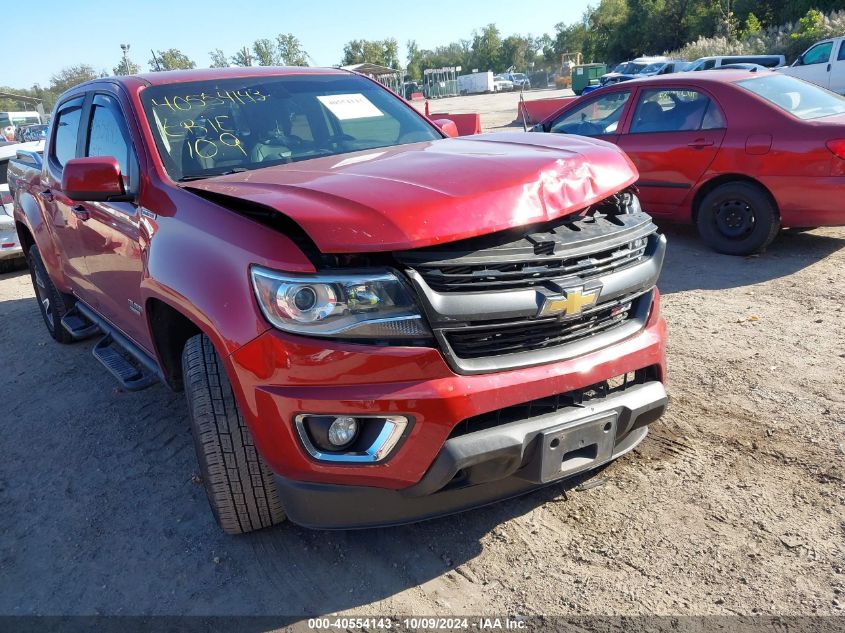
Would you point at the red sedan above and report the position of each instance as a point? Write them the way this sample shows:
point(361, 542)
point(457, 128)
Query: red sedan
point(738, 153)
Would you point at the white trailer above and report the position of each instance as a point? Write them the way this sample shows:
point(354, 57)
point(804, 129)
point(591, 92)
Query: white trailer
point(475, 83)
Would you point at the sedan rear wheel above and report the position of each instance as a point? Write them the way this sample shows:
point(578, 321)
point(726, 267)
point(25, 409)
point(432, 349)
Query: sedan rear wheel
point(737, 218)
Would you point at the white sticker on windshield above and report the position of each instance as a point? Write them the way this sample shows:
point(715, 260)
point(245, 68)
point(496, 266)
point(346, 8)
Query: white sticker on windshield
point(350, 106)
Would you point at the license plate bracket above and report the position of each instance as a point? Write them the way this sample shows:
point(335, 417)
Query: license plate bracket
point(576, 447)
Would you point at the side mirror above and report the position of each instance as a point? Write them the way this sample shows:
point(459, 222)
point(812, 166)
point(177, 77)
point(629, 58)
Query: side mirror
point(799, 61)
point(538, 128)
point(96, 178)
point(447, 126)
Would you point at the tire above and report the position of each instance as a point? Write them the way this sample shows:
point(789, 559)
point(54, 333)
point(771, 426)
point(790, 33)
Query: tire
point(240, 486)
point(737, 218)
point(52, 303)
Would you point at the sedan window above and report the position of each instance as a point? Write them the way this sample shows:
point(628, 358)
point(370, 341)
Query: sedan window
point(800, 98)
point(675, 111)
point(596, 117)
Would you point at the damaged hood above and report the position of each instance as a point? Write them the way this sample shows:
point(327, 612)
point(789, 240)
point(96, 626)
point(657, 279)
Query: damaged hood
point(416, 195)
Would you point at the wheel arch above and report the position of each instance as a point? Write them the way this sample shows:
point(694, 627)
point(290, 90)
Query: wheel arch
point(170, 329)
point(724, 179)
point(25, 236)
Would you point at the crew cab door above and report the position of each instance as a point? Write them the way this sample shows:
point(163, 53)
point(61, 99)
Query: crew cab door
point(57, 208)
point(673, 136)
point(110, 232)
point(815, 64)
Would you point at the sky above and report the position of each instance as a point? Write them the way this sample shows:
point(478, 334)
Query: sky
point(91, 31)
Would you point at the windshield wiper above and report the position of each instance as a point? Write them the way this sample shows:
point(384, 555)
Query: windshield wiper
point(234, 170)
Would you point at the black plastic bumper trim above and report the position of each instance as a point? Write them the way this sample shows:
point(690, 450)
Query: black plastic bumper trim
point(505, 452)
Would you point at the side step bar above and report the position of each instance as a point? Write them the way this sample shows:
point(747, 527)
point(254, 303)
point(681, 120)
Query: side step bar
point(132, 366)
point(77, 325)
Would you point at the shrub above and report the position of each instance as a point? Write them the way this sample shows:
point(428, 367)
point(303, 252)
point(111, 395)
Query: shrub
point(789, 40)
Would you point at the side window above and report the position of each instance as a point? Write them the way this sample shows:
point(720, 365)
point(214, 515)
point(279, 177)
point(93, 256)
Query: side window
point(713, 117)
point(674, 111)
point(710, 63)
point(107, 135)
point(594, 118)
point(300, 126)
point(841, 55)
point(818, 54)
point(66, 132)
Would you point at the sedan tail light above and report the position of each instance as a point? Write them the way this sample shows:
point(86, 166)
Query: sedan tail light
point(837, 146)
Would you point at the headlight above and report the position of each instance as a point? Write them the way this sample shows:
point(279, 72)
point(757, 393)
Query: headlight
point(365, 305)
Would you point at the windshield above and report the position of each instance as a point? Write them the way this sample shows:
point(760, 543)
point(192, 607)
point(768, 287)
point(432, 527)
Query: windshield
point(653, 68)
point(801, 99)
point(632, 68)
point(207, 128)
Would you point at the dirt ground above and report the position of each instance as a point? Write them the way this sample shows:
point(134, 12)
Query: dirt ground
point(734, 504)
point(497, 110)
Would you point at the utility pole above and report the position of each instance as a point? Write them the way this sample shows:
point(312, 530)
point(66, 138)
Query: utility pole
point(125, 49)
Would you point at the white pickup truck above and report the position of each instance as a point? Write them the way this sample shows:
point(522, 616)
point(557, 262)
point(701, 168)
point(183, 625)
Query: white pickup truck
point(822, 64)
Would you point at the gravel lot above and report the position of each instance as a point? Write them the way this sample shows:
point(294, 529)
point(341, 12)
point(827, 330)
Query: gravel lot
point(497, 110)
point(734, 504)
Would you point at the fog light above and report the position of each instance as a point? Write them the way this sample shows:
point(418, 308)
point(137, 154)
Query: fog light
point(342, 431)
point(362, 439)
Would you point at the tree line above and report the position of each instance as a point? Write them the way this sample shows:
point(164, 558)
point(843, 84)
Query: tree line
point(284, 50)
point(610, 31)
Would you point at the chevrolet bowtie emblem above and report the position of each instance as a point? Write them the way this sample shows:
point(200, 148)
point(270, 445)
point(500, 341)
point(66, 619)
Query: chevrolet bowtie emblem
point(571, 303)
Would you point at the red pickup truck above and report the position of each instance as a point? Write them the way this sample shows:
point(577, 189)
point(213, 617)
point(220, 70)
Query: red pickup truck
point(374, 322)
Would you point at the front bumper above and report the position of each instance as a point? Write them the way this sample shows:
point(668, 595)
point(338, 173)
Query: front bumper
point(474, 469)
point(278, 376)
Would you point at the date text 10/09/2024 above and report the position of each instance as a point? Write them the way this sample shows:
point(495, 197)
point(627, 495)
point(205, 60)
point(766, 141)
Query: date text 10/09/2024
point(419, 623)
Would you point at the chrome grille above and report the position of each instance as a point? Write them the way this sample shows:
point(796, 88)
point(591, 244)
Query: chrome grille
point(482, 295)
point(528, 273)
point(521, 336)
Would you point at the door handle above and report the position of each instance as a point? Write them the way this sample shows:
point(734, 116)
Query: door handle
point(700, 143)
point(828, 68)
point(81, 212)
point(46, 195)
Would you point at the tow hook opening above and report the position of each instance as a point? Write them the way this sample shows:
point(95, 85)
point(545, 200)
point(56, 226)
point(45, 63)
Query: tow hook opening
point(580, 457)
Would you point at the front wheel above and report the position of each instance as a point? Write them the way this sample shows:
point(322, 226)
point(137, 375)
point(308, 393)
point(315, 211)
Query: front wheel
point(240, 486)
point(737, 218)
